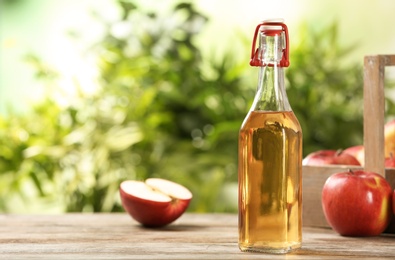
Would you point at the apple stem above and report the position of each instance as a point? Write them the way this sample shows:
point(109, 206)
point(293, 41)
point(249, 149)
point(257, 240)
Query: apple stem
point(338, 152)
point(350, 172)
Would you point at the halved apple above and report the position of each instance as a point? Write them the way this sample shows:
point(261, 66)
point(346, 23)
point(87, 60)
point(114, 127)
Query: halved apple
point(155, 202)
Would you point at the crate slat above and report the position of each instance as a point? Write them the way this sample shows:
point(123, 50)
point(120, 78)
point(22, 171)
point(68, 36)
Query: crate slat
point(374, 110)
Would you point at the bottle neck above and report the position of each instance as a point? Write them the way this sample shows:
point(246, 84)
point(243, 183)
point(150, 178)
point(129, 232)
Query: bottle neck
point(271, 94)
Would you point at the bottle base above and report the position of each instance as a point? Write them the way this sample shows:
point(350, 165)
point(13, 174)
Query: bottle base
point(270, 250)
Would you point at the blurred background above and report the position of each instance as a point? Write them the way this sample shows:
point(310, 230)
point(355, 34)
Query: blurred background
point(96, 92)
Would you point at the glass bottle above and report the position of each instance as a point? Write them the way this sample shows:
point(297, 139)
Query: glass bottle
point(270, 154)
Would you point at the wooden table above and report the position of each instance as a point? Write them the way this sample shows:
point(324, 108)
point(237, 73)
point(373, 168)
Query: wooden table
point(193, 236)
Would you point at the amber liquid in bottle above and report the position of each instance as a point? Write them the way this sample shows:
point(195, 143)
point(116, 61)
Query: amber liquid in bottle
point(270, 186)
point(270, 159)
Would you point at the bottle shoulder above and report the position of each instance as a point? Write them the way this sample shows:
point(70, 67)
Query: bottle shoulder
point(260, 119)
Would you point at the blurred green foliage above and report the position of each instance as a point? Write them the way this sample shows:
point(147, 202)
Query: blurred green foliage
point(162, 110)
point(326, 91)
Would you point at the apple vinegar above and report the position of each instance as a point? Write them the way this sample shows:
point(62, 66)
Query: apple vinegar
point(270, 154)
point(270, 182)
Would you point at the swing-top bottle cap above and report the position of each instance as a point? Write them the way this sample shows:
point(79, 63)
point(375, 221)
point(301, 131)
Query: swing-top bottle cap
point(271, 27)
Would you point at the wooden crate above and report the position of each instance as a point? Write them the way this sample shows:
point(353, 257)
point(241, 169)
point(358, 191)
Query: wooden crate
point(314, 177)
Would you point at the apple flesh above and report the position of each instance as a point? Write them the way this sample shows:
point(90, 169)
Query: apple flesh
point(326, 157)
point(155, 202)
point(357, 203)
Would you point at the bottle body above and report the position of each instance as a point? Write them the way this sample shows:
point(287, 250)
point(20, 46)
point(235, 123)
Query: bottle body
point(270, 157)
point(270, 197)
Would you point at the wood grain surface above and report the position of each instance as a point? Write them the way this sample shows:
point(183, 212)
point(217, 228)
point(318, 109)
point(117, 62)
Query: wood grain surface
point(193, 236)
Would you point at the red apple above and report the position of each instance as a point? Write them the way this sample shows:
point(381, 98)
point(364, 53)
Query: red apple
point(155, 202)
point(389, 161)
point(325, 157)
point(389, 138)
point(357, 203)
point(358, 151)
